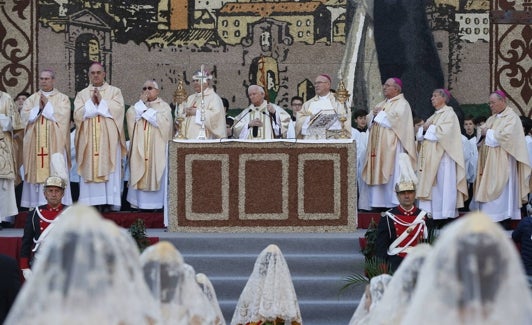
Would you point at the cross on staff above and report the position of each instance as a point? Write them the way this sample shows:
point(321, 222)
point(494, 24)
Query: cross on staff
point(202, 77)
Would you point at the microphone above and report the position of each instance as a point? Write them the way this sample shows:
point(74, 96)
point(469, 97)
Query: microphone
point(255, 131)
point(240, 119)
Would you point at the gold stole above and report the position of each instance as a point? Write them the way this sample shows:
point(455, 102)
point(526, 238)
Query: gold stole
point(42, 152)
point(96, 127)
point(374, 141)
point(144, 181)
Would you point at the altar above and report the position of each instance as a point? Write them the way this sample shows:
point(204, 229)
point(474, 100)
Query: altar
point(262, 186)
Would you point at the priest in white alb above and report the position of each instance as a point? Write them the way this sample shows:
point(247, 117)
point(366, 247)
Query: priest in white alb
point(324, 102)
point(46, 115)
point(203, 111)
point(261, 119)
point(442, 186)
point(150, 127)
point(391, 132)
point(100, 140)
point(503, 171)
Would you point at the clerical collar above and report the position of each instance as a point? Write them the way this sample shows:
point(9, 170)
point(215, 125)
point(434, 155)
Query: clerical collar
point(324, 97)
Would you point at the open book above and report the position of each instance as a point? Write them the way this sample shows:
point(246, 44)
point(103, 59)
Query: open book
point(320, 123)
point(324, 119)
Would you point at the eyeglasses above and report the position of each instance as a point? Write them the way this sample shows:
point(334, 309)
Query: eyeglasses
point(148, 88)
point(297, 104)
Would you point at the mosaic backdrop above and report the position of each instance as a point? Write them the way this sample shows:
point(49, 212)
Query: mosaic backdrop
point(469, 46)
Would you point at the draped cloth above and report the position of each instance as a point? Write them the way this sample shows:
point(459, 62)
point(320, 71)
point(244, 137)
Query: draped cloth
point(473, 276)
point(434, 175)
point(100, 144)
point(173, 285)
point(208, 289)
point(400, 289)
point(370, 299)
point(269, 294)
point(9, 120)
point(44, 137)
point(149, 134)
point(87, 272)
point(214, 116)
point(384, 145)
point(494, 180)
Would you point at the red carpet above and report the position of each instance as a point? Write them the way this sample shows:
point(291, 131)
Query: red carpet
point(123, 219)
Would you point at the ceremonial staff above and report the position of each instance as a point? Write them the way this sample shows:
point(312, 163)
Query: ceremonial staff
point(202, 77)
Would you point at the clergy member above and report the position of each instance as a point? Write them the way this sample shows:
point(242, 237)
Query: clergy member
point(261, 120)
point(9, 120)
point(391, 133)
point(47, 117)
point(442, 186)
point(324, 102)
point(150, 127)
point(503, 170)
point(100, 141)
point(203, 110)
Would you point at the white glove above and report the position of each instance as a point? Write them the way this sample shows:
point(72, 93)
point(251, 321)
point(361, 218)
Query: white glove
point(27, 273)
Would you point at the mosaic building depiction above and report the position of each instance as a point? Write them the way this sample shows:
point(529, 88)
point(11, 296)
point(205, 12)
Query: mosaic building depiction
point(470, 47)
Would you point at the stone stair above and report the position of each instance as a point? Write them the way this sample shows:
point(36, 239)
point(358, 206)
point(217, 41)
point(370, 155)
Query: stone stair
point(318, 264)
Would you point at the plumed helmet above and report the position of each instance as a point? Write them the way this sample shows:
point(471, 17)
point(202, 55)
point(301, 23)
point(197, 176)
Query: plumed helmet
point(407, 176)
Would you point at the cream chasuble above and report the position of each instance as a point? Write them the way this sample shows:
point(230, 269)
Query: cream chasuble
point(381, 154)
point(147, 152)
point(214, 116)
point(49, 133)
point(99, 137)
point(449, 141)
point(317, 104)
point(493, 165)
point(9, 120)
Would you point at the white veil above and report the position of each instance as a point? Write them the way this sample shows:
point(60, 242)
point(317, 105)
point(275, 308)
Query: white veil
point(173, 285)
point(399, 292)
point(269, 293)
point(370, 299)
point(473, 276)
point(88, 272)
point(207, 288)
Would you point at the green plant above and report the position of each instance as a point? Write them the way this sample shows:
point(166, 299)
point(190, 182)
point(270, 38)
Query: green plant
point(373, 266)
point(370, 237)
point(138, 232)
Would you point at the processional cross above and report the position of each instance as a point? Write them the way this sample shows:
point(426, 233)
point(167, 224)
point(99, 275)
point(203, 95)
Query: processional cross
point(202, 77)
